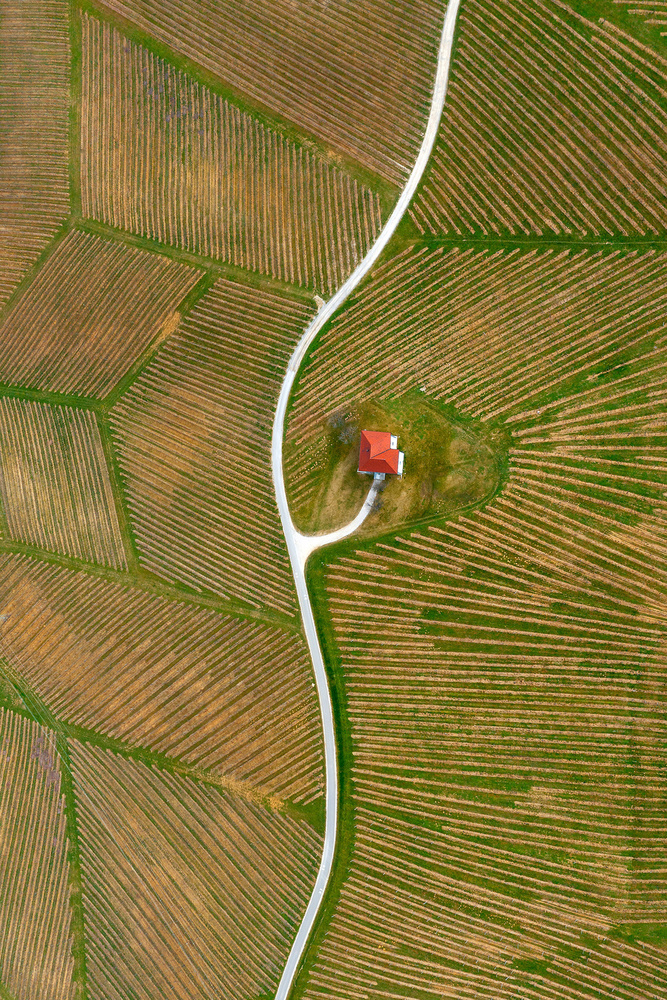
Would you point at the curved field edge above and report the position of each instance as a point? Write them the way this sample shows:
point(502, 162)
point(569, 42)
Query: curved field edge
point(316, 571)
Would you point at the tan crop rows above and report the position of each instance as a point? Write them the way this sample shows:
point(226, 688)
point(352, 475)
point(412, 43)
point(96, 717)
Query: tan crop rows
point(494, 334)
point(194, 443)
point(167, 158)
point(553, 124)
point(505, 671)
point(188, 892)
point(358, 76)
point(89, 313)
point(35, 944)
point(508, 722)
point(55, 483)
point(34, 127)
point(218, 692)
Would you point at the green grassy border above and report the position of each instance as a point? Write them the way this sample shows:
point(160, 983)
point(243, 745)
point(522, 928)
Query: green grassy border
point(5, 994)
point(37, 711)
point(344, 847)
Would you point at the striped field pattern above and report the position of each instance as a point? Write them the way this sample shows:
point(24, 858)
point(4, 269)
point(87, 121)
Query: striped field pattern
point(505, 672)
point(54, 482)
point(553, 124)
point(35, 945)
point(164, 157)
point(189, 893)
point(34, 129)
point(358, 76)
point(89, 313)
point(507, 696)
point(227, 694)
point(193, 438)
point(486, 332)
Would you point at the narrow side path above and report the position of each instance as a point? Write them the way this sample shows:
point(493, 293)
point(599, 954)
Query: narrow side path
point(308, 543)
point(300, 546)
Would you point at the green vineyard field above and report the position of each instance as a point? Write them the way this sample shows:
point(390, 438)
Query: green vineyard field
point(555, 125)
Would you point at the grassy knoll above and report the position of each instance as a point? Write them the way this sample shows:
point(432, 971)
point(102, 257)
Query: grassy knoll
point(450, 463)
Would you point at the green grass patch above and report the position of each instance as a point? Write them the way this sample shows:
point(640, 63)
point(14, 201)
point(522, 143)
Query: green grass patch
point(648, 933)
point(451, 463)
point(535, 966)
point(5, 994)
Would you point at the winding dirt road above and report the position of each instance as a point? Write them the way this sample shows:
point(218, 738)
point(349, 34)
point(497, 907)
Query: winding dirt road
point(300, 546)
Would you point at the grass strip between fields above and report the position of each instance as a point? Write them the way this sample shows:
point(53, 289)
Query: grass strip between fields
point(39, 712)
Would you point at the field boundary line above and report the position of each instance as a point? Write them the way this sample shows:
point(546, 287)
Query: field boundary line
point(208, 265)
point(299, 553)
point(149, 583)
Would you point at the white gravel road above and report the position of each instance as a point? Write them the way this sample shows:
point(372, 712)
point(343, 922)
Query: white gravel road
point(300, 546)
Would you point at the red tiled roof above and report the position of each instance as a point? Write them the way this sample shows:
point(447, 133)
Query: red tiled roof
point(376, 453)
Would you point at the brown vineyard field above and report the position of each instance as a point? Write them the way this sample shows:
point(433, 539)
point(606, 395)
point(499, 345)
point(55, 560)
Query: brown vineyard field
point(34, 124)
point(504, 670)
point(554, 124)
point(357, 76)
point(35, 943)
point(166, 158)
point(89, 313)
point(194, 446)
point(181, 185)
point(55, 485)
point(188, 892)
point(220, 693)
